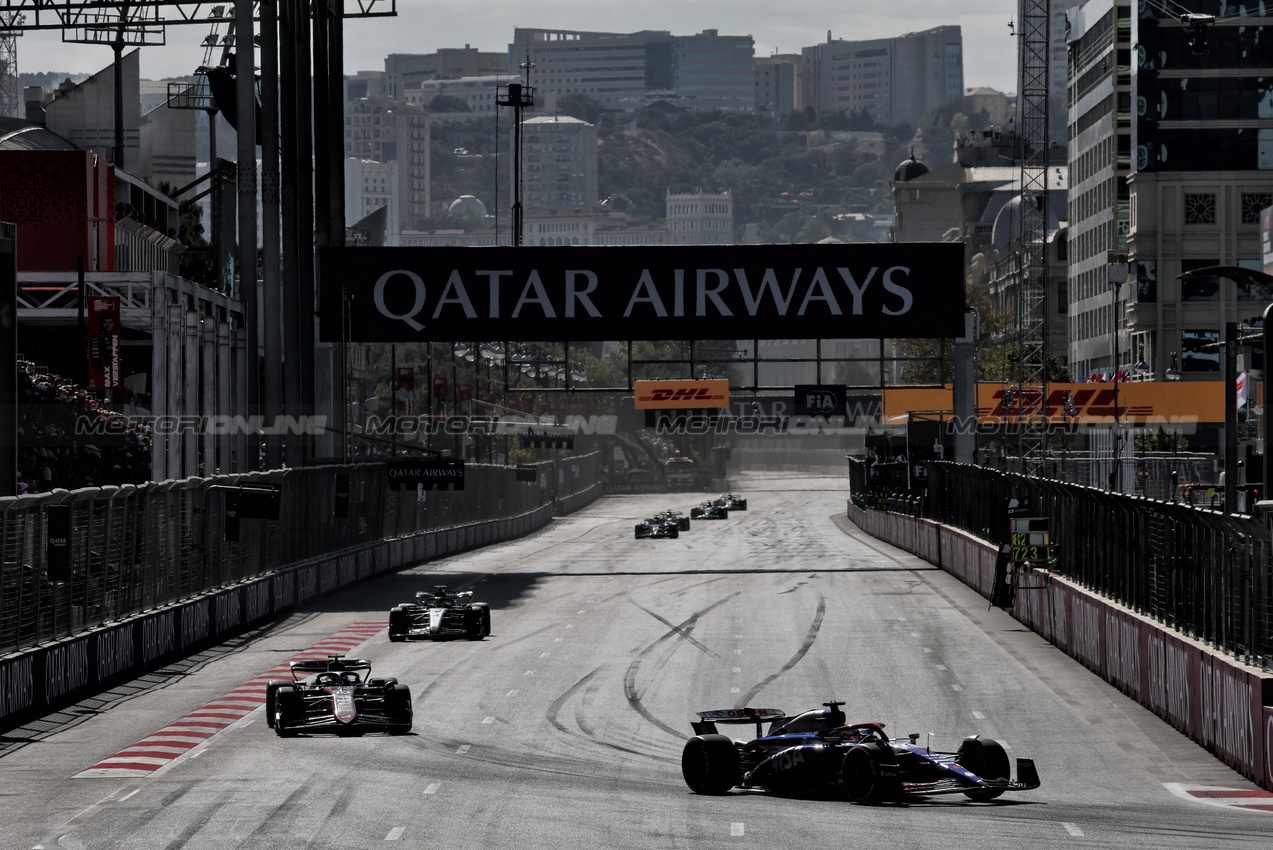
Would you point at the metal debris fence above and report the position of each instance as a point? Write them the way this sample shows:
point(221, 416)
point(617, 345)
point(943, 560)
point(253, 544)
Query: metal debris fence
point(136, 548)
point(1206, 574)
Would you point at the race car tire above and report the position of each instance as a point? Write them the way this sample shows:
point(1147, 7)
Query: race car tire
point(271, 689)
point(724, 513)
point(486, 617)
point(399, 624)
point(710, 764)
point(861, 776)
point(398, 708)
point(696, 513)
point(642, 531)
point(986, 758)
point(674, 532)
point(473, 625)
point(289, 708)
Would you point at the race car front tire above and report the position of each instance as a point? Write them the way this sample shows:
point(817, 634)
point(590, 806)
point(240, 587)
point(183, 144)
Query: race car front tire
point(290, 709)
point(710, 764)
point(486, 617)
point(474, 623)
point(398, 708)
point(674, 532)
point(986, 758)
point(399, 624)
point(861, 776)
point(271, 689)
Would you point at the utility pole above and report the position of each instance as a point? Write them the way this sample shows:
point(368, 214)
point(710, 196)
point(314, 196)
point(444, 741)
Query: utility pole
point(518, 96)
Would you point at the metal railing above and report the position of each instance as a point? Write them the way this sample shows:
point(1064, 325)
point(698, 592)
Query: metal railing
point(1205, 574)
point(135, 548)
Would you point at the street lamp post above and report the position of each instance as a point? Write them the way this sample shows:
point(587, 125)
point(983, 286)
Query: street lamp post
point(1117, 270)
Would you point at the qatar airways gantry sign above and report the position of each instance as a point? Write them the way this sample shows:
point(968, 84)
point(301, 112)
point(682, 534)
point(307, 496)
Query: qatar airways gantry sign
point(845, 291)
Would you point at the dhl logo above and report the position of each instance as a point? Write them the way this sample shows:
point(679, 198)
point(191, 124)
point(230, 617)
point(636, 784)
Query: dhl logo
point(679, 394)
point(1085, 403)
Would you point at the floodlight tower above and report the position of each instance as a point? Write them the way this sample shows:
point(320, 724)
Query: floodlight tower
point(10, 86)
point(518, 96)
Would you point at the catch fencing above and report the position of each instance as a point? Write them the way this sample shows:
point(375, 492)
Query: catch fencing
point(138, 548)
point(1197, 571)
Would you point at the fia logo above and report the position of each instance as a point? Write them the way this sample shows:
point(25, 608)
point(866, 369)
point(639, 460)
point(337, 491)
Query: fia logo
point(820, 400)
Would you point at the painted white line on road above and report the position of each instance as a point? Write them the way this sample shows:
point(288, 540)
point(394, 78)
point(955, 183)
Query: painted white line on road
point(941, 666)
point(583, 610)
point(556, 640)
point(958, 687)
point(395, 833)
point(914, 634)
point(488, 719)
point(126, 796)
point(432, 787)
point(733, 690)
point(529, 673)
point(513, 692)
point(463, 748)
point(979, 715)
point(738, 652)
point(738, 637)
point(1073, 830)
point(570, 625)
point(738, 669)
point(543, 655)
point(735, 830)
point(928, 649)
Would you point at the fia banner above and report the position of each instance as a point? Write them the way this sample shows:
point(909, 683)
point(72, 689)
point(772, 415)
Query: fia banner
point(847, 291)
point(103, 343)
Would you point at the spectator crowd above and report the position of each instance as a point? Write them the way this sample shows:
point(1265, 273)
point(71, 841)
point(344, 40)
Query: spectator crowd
point(54, 453)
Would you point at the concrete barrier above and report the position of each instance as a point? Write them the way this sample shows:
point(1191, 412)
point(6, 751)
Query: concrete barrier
point(1218, 702)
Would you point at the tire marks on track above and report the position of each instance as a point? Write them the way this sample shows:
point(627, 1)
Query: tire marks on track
point(810, 636)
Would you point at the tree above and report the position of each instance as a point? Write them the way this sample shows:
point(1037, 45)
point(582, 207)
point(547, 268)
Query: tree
point(581, 106)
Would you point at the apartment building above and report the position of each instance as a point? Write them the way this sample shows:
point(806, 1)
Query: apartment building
point(894, 79)
point(700, 218)
point(626, 71)
point(480, 93)
point(559, 163)
point(778, 83)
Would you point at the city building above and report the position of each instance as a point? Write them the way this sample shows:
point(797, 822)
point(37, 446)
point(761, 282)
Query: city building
point(369, 186)
point(893, 79)
point(559, 163)
point(995, 104)
point(1170, 166)
point(700, 218)
point(480, 93)
point(778, 83)
point(626, 71)
point(168, 145)
point(405, 71)
point(84, 113)
point(387, 130)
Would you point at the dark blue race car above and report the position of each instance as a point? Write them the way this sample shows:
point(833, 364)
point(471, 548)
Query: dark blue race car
point(818, 752)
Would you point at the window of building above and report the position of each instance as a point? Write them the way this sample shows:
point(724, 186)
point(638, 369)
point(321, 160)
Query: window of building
point(1200, 208)
point(1253, 203)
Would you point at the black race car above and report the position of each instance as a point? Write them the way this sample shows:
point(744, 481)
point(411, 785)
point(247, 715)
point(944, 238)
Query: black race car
point(732, 502)
point(440, 614)
point(657, 526)
point(337, 695)
point(818, 752)
point(709, 510)
point(681, 520)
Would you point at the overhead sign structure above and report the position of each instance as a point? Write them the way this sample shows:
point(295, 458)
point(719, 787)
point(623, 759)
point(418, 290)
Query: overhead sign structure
point(679, 395)
point(857, 291)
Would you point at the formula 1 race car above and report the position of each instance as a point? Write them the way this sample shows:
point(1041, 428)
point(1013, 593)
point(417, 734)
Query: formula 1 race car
point(440, 614)
point(710, 510)
point(337, 695)
point(732, 502)
point(657, 526)
point(681, 520)
point(817, 752)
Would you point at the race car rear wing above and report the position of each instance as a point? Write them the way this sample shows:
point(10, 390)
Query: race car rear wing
point(707, 724)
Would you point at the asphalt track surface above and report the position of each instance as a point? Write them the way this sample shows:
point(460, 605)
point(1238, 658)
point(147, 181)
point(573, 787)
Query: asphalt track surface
point(564, 728)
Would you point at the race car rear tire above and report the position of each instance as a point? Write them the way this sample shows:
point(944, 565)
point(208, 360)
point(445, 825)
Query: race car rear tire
point(696, 513)
point(399, 623)
point(674, 532)
point(271, 689)
point(986, 758)
point(861, 776)
point(398, 708)
point(290, 708)
point(710, 764)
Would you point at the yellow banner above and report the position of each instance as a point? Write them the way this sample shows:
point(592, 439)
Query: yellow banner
point(669, 395)
point(1139, 403)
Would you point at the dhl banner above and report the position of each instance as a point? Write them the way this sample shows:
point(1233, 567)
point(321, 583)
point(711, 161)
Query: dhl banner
point(1139, 403)
point(670, 395)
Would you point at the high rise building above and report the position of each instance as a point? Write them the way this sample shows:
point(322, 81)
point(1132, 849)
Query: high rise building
point(625, 71)
point(407, 70)
point(778, 83)
point(1169, 162)
point(893, 79)
point(700, 218)
point(559, 163)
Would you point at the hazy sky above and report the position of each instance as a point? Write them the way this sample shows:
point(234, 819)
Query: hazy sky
point(423, 26)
